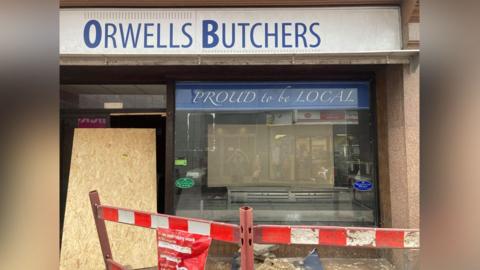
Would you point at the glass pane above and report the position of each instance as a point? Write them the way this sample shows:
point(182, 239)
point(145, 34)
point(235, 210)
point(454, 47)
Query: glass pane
point(297, 152)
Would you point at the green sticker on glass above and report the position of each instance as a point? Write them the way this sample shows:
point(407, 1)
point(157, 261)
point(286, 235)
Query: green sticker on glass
point(180, 162)
point(184, 182)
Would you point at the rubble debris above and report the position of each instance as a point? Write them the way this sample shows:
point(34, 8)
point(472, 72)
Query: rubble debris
point(263, 257)
point(276, 264)
point(260, 249)
point(219, 266)
point(296, 263)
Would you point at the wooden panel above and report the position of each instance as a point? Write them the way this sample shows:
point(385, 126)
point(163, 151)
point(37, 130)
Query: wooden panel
point(221, 3)
point(120, 164)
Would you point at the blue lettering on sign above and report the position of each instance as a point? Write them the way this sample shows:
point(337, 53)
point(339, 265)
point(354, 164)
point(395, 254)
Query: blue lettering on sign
point(316, 35)
point(131, 35)
point(110, 34)
point(225, 96)
point(271, 34)
point(363, 185)
point(147, 35)
point(214, 35)
point(252, 35)
point(300, 34)
point(209, 29)
point(285, 33)
point(98, 33)
point(189, 37)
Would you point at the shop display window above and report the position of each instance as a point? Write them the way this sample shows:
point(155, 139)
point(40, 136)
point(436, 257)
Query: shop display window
point(297, 152)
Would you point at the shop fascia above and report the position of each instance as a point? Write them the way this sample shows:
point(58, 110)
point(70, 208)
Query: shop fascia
point(229, 31)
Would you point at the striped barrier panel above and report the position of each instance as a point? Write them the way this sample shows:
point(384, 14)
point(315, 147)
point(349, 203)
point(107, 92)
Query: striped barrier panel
point(216, 230)
point(337, 236)
point(269, 234)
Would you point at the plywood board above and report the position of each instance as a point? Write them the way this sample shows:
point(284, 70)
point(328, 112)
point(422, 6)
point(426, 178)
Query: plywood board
point(121, 165)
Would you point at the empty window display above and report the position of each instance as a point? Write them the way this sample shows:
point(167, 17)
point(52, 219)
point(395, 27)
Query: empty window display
point(297, 152)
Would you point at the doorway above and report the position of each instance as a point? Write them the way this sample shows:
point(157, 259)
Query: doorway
point(111, 106)
point(157, 122)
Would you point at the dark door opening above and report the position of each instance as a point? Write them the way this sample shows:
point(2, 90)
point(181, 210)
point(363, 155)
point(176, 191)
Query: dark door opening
point(156, 121)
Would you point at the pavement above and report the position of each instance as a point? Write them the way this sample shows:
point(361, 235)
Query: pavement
point(328, 264)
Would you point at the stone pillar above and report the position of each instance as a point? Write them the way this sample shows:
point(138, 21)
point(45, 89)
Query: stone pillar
point(411, 100)
point(411, 85)
point(402, 113)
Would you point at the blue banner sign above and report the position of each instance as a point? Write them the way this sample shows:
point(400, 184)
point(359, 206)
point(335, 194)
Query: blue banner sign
point(253, 96)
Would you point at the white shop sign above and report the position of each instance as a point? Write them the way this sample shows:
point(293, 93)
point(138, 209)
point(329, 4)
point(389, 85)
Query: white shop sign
point(229, 31)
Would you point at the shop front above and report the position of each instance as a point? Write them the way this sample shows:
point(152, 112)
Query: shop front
point(298, 152)
point(287, 110)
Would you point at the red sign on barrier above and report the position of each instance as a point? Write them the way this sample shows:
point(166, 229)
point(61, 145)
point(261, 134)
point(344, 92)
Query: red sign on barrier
point(182, 250)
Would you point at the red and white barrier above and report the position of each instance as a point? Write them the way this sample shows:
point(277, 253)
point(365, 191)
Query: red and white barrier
point(270, 234)
point(337, 236)
point(216, 230)
point(246, 234)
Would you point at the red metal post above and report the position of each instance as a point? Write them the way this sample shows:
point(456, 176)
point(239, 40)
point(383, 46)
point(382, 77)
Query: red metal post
point(246, 238)
point(101, 229)
point(115, 266)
